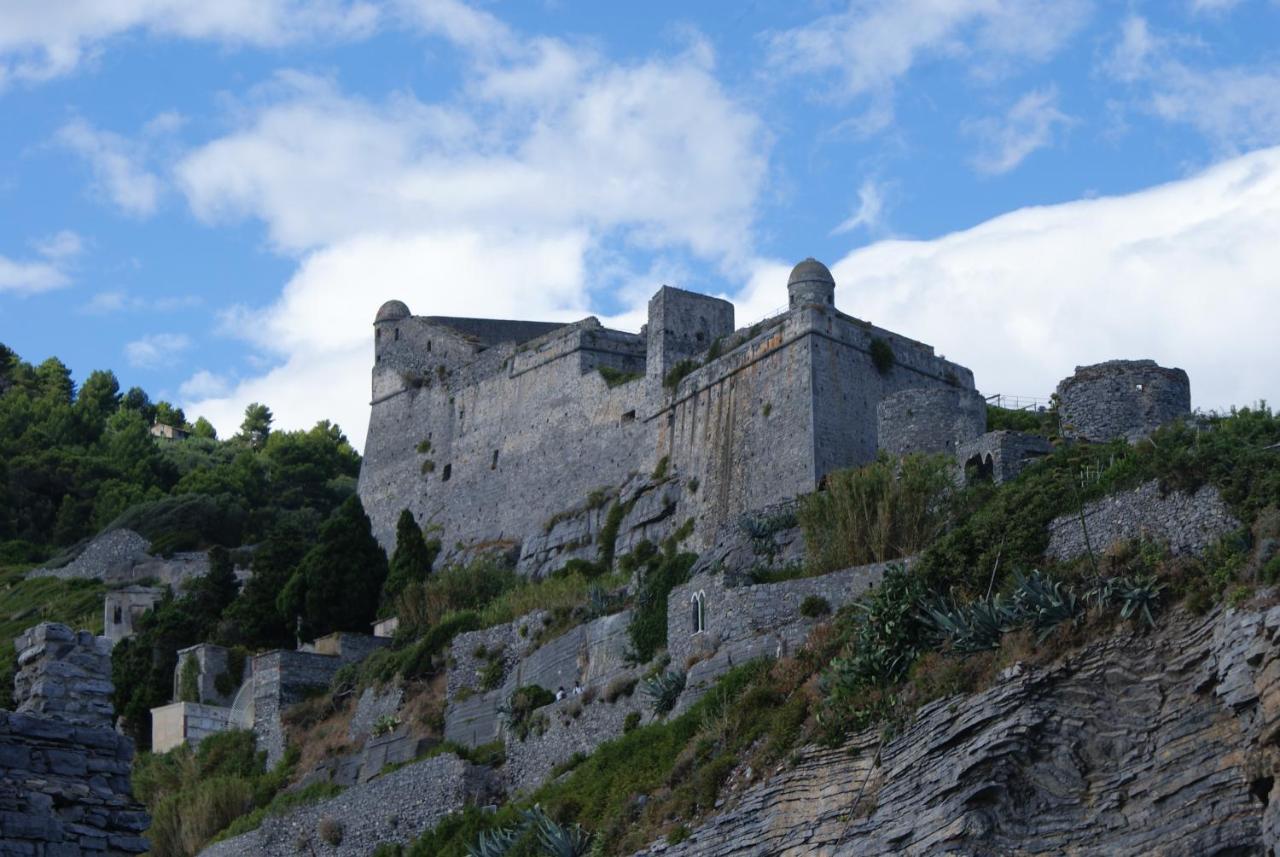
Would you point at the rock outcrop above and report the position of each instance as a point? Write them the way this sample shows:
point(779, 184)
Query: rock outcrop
point(1137, 744)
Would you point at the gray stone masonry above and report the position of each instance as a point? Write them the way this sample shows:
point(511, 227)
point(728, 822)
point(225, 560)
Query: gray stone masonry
point(1187, 523)
point(64, 790)
point(576, 724)
point(373, 705)
point(589, 655)
point(394, 808)
point(377, 752)
point(1000, 455)
point(765, 538)
point(930, 420)
point(472, 652)
point(282, 678)
point(740, 623)
point(1122, 399)
point(64, 674)
point(472, 433)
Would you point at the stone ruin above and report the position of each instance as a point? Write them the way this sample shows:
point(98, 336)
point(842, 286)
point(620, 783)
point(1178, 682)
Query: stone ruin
point(1122, 398)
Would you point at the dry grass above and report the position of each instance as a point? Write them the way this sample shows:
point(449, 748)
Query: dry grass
point(320, 729)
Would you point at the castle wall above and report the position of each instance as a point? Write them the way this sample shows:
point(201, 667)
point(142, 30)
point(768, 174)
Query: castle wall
point(935, 420)
point(512, 446)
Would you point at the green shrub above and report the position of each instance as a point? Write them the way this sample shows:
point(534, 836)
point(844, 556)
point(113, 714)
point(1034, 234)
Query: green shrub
point(659, 574)
point(617, 377)
point(630, 722)
point(678, 373)
point(881, 356)
point(814, 606)
point(524, 701)
point(875, 513)
point(660, 469)
point(189, 680)
point(330, 830)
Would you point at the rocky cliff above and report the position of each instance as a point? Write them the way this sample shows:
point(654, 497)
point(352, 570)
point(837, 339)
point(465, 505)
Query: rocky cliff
point(1159, 743)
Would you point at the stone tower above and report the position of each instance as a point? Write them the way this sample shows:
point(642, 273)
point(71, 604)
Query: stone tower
point(811, 283)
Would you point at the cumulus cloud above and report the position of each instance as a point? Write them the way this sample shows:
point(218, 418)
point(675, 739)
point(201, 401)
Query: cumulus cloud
point(867, 48)
point(39, 41)
point(1185, 273)
point(117, 165)
point(1234, 107)
point(1027, 126)
point(156, 350)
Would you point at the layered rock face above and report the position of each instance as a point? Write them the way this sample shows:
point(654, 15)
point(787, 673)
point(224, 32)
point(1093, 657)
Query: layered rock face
point(1139, 744)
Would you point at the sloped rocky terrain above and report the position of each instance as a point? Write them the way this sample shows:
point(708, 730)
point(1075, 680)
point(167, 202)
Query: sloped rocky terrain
point(1138, 744)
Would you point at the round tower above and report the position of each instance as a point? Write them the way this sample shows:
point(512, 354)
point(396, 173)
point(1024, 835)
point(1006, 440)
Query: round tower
point(1122, 398)
point(811, 283)
point(391, 311)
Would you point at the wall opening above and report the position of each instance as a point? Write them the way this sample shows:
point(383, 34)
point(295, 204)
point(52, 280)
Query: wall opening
point(698, 612)
point(629, 417)
point(117, 616)
point(446, 473)
point(493, 465)
point(976, 469)
point(397, 334)
point(428, 346)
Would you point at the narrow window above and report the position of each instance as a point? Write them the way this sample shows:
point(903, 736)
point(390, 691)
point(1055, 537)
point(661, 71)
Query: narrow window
point(397, 334)
point(629, 417)
point(117, 616)
point(377, 334)
point(448, 471)
point(493, 465)
point(428, 346)
point(698, 613)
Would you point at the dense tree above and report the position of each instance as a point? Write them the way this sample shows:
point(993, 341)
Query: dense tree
point(54, 380)
point(254, 619)
point(98, 399)
point(168, 415)
point(257, 425)
point(412, 560)
point(337, 585)
point(204, 428)
point(136, 399)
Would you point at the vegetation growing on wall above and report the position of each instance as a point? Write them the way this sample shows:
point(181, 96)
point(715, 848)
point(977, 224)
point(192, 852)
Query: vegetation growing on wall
point(616, 377)
point(882, 356)
point(678, 373)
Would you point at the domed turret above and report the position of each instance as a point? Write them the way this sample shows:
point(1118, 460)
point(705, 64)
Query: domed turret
point(811, 283)
point(392, 311)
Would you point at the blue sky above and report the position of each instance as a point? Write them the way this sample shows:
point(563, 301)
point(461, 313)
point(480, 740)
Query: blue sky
point(213, 199)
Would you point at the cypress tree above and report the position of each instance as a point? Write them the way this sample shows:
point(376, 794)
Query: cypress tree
point(412, 560)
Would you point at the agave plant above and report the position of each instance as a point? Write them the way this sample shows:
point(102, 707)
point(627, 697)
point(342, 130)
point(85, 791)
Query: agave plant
point(972, 627)
point(1043, 603)
point(664, 689)
point(495, 843)
point(557, 840)
point(1138, 595)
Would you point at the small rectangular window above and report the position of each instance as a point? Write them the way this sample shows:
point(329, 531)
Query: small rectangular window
point(428, 346)
point(629, 417)
point(448, 471)
point(397, 334)
point(493, 465)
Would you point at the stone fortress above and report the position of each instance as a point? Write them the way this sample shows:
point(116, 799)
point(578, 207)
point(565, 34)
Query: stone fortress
point(488, 429)
point(515, 435)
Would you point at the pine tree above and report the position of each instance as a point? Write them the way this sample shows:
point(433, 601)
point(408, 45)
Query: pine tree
point(337, 585)
point(411, 562)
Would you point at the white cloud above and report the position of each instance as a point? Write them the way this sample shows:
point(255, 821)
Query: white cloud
point(873, 43)
point(1185, 273)
point(59, 246)
point(870, 211)
point(42, 40)
point(117, 166)
point(487, 204)
point(156, 350)
point(26, 278)
point(104, 303)
point(204, 385)
point(1027, 126)
point(1235, 107)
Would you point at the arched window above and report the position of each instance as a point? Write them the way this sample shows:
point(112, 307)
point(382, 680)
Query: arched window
point(698, 612)
point(117, 616)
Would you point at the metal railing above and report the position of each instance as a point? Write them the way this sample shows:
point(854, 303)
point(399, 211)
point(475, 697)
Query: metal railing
point(1018, 403)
